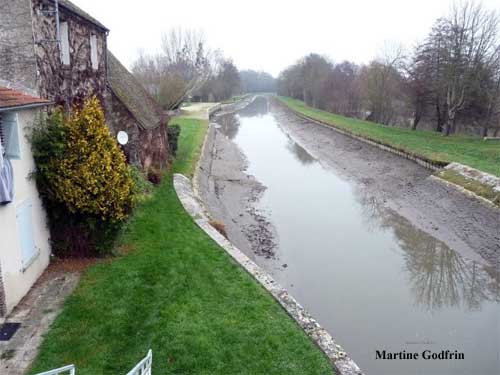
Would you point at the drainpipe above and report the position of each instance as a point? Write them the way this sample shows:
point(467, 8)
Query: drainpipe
point(58, 30)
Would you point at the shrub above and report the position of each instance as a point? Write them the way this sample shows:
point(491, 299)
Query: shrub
point(142, 186)
point(173, 132)
point(83, 180)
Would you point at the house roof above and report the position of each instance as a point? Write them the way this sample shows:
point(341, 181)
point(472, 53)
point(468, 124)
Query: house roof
point(79, 12)
point(13, 99)
point(133, 95)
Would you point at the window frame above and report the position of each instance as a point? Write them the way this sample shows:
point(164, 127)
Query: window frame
point(94, 56)
point(12, 152)
point(64, 43)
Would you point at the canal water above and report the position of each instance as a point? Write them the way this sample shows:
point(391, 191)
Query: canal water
point(373, 280)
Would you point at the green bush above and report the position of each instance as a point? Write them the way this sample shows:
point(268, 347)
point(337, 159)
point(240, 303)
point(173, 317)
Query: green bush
point(83, 180)
point(142, 187)
point(173, 132)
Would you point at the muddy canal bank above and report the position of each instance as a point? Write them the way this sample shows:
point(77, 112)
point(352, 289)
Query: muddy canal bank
point(383, 256)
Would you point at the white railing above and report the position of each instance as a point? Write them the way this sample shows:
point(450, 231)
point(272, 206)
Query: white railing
point(142, 368)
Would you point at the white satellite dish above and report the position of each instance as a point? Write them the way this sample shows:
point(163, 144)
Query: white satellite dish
point(122, 137)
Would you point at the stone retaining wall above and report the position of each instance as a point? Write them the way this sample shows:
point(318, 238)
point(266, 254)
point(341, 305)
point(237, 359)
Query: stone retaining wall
point(475, 174)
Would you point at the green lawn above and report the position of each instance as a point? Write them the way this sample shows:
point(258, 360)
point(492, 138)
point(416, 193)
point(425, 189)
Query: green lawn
point(180, 294)
point(472, 151)
point(190, 141)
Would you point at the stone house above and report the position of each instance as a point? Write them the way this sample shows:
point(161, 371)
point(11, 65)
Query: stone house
point(59, 58)
point(24, 237)
point(55, 50)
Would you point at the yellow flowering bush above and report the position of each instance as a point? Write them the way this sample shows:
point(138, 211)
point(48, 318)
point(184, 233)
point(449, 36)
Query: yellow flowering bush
point(83, 179)
point(92, 176)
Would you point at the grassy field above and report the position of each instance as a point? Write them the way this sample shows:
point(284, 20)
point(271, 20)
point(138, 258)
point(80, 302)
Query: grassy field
point(472, 151)
point(190, 141)
point(180, 294)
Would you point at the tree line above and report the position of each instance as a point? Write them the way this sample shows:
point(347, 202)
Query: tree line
point(253, 81)
point(185, 68)
point(449, 82)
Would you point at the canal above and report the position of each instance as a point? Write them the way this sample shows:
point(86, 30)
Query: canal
point(370, 277)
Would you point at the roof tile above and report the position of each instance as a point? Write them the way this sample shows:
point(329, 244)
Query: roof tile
point(133, 95)
point(11, 98)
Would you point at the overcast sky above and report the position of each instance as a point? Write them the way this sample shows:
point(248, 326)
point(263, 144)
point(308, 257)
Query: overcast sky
point(270, 34)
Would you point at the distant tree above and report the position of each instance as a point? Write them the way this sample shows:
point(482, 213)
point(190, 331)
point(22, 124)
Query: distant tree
point(420, 83)
point(181, 66)
point(343, 90)
point(184, 68)
point(253, 81)
point(384, 85)
point(228, 81)
point(463, 50)
point(452, 77)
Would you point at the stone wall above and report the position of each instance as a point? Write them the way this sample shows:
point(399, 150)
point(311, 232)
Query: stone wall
point(154, 147)
point(145, 147)
point(17, 55)
point(67, 84)
point(118, 117)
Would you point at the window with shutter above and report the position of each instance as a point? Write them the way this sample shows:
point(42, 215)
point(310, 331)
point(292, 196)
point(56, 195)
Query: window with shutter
point(25, 232)
point(93, 52)
point(9, 135)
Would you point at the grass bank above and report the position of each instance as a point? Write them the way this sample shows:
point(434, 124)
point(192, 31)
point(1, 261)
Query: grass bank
point(180, 294)
point(235, 99)
point(471, 151)
point(474, 186)
point(190, 142)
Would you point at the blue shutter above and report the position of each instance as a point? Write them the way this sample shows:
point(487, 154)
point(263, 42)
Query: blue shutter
point(25, 233)
point(11, 135)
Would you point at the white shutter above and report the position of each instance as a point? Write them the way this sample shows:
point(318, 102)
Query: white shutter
point(10, 132)
point(25, 233)
point(93, 52)
point(64, 43)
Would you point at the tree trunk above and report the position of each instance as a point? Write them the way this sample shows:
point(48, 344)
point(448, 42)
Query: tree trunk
point(484, 131)
point(439, 126)
point(450, 123)
point(416, 119)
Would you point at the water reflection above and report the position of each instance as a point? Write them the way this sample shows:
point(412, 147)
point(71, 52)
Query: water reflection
point(365, 271)
point(259, 107)
point(299, 152)
point(438, 276)
point(229, 125)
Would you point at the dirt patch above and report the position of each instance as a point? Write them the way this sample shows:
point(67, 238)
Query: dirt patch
point(230, 195)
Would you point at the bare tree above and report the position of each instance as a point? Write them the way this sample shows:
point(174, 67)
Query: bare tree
point(384, 84)
point(181, 67)
point(452, 77)
point(470, 46)
point(185, 67)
